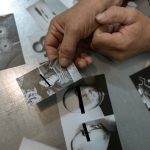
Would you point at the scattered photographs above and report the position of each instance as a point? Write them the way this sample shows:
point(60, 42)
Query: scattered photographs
point(10, 48)
point(85, 101)
point(44, 10)
point(37, 42)
point(46, 80)
point(141, 80)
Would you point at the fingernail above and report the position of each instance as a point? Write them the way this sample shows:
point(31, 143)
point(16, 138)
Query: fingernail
point(101, 16)
point(64, 62)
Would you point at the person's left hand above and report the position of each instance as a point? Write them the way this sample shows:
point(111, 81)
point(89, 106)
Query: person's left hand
point(131, 38)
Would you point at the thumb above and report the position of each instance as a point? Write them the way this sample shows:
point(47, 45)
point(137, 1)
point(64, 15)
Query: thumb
point(116, 14)
point(67, 49)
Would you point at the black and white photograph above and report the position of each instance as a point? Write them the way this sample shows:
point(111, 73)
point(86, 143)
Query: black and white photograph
point(46, 80)
point(44, 10)
point(141, 80)
point(37, 42)
point(97, 135)
point(10, 47)
point(83, 102)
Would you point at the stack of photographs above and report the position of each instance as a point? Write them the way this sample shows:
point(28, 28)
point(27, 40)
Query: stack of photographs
point(85, 110)
point(46, 80)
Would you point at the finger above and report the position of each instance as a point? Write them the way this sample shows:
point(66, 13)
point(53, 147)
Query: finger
point(87, 58)
point(51, 44)
point(105, 39)
point(68, 49)
point(52, 53)
point(83, 60)
point(115, 55)
point(81, 63)
point(116, 14)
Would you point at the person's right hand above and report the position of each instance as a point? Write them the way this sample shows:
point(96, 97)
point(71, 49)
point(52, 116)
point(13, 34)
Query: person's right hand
point(73, 25)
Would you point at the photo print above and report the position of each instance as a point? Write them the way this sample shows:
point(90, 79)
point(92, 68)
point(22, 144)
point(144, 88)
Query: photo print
point(46, 80)
point(10, 47)
point(37, 42)
point(141, 80)
point(44, 10)
point(85, 101)
point(99, 134)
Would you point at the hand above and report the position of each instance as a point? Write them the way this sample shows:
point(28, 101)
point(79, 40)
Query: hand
point(82, 57)
point(132, 37)
point(73, 25)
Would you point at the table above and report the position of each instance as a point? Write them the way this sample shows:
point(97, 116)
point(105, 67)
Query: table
point(17, 120)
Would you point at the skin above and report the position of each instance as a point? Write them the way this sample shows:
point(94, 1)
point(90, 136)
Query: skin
point(131, 38)
point(69, 31)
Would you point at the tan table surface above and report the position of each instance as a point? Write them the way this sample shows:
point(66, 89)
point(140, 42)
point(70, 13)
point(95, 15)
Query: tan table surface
point(17, 120)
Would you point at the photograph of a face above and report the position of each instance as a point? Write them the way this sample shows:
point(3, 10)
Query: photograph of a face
point(45, 81)
point(44, 10)
point(85, 101)
point(10, 47)
point(97, 135)
point(141, 80)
